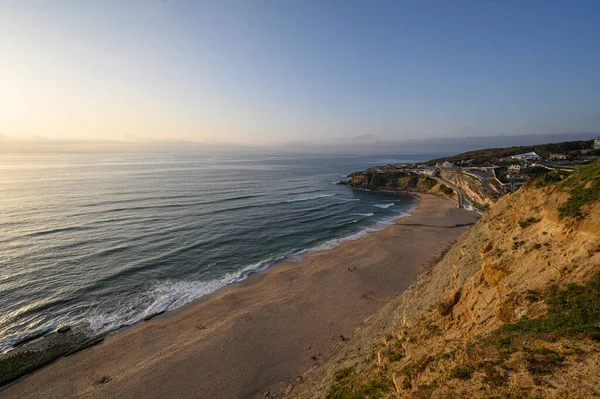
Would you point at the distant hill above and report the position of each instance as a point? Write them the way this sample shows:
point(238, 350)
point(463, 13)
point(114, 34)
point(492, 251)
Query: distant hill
point(491, 155)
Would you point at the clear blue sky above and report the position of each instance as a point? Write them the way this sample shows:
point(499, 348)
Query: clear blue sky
point(260, 72)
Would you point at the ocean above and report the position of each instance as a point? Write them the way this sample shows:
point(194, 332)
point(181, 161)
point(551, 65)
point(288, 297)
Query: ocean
point(100, 241)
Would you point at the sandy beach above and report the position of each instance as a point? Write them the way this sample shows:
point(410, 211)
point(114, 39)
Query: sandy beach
point(257, 335)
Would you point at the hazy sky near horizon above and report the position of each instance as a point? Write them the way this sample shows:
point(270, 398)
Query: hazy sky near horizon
point(262, 72)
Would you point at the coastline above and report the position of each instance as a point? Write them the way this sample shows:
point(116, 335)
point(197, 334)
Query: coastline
point(257, 334)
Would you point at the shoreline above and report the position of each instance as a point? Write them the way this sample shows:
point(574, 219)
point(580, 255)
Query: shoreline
point(251, 327)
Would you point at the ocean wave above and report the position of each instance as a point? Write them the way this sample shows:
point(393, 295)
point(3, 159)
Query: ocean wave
point(172, 205)
point(363, 214)
point(314, 197)
point(57, 230)
point(335, 242)
point(349, 199)
point(384, 206)
point(380, 225)
point(169, 295)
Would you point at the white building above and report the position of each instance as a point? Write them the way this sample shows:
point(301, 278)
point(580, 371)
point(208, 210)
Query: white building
point(597, 143)
point(517, 176)
point(558, 156)
point(431, 172)
point(444, 165)
point(515, 168)
point(526, 157)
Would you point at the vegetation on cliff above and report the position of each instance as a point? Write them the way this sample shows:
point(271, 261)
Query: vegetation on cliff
point(584, 189)
point(391, 180)
point(397, 180)
point(513, 309)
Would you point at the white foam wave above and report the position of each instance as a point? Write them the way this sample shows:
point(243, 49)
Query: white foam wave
point(384, 206)
point(335, 242)
point(363, 214)
point(168, 295)
point(380, 225)
point(309, 198)
point(349, 199)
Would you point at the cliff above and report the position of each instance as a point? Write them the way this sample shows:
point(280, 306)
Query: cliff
point(479, 194)
point(395, 180)
point(512, 310)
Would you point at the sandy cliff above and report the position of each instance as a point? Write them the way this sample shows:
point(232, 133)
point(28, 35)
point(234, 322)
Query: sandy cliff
point(480, 195)
point(513, 310)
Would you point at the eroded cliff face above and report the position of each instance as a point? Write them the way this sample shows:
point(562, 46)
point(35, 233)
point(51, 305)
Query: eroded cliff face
point(482, 196)
point(399, 181)
point(513, 310)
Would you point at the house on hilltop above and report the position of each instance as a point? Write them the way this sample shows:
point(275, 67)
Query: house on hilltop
point(558, 156)
point(517, 176)
point(526, 156)
point(515, 168)
point(596, 144)
point(431, 172)
point(444, 165)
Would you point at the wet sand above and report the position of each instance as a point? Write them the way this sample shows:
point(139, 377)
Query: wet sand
point(255, 336)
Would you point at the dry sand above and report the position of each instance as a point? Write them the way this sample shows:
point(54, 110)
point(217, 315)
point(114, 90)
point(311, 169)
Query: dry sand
point(257, 335)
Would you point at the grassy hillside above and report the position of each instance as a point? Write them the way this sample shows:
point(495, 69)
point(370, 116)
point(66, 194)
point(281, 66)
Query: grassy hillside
point(491, 155)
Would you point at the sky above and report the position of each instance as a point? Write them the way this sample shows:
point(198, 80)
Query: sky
point(261, 73)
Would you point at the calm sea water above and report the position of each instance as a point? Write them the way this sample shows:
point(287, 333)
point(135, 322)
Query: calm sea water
point(103, 241)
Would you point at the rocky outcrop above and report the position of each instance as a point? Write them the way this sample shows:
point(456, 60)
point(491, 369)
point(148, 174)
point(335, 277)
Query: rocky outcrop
point(513, 310)
point(394, 180)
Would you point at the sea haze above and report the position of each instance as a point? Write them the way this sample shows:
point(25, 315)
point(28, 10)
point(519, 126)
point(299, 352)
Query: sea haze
point(105, 240)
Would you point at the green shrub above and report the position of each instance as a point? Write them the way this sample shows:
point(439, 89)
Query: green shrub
point(533, 296)
point(517, 245)
point(546, 179)
point(579, 198)
point(416, 367)
point(584, 188)
point(446, 190)
point(343, 373)
point(346, 386)
point(432, 328)
point(528, 222)
point(573, 309)
point(463, 373)
point(542, 361)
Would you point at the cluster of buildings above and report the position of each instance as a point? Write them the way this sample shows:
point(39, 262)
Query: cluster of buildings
point(444, 165)
point(531, 156)
point(515, 174)
point(515, 171)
